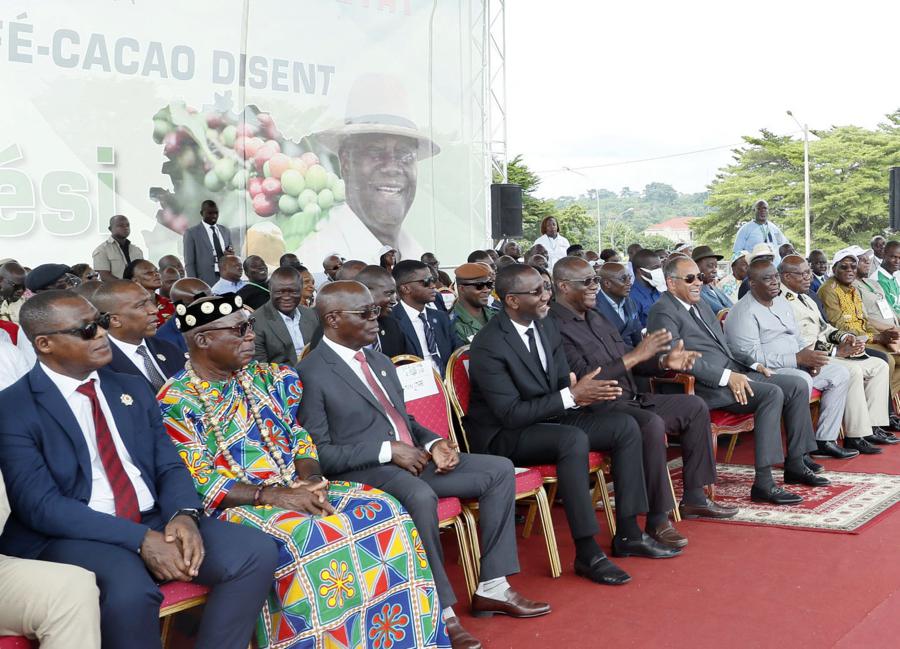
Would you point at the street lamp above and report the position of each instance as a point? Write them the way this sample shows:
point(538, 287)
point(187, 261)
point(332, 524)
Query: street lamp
point(612, 243)
point(597, 196)
point(805, 128)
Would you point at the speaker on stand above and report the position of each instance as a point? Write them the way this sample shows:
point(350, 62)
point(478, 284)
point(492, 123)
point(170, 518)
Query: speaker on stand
point(506, 211)
point(894, 202)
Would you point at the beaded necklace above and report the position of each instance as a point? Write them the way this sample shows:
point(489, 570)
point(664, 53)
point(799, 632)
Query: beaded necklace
point(211, 422)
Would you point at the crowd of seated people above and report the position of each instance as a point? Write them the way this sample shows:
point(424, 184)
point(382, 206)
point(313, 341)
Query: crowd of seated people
point(243, 427)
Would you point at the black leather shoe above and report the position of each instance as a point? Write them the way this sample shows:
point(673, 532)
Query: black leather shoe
point(807, 477)
point(643, 546)
point(876, 430)
point(862, 445)
point(602, 571)
point(830, 449)
point(776, 495)
point(812, 466)
point(879, 436)
point(894, 422)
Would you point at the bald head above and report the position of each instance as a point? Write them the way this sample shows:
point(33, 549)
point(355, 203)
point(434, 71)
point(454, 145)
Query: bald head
point(340, 295)
point(791, 264)
point(187, 289)
point(349, 270)
point(568, 267)
point(331, 265)
point(610, 270)
point(109, 296)
point(230, 268)
point(170, 261)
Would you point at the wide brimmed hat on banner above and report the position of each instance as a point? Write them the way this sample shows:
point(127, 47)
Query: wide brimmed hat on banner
point(378, 104)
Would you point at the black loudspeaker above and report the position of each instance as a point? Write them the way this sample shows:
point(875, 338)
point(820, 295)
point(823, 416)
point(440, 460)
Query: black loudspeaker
point(506, 211)
point(894, 203)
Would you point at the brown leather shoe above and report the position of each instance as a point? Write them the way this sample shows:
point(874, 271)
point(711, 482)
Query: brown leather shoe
point(711, 509)
point(459, 637)
point(514, 606)
point(668, 535)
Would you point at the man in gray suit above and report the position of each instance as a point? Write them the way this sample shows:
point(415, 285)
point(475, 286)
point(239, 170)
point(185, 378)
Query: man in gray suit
point(205, 244)
point(353, 406)
point(284, 326)
point(730, 380)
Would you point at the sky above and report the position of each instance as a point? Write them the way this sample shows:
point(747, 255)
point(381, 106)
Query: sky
point(602, 83)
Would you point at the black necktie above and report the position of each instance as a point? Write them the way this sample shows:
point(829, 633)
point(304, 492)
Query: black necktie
point(532, 347)
point(430, 340)
point(153, 375)
point(218, 246)
point(696, 314)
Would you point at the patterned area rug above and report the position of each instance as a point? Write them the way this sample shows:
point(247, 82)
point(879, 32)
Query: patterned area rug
point(848, 504)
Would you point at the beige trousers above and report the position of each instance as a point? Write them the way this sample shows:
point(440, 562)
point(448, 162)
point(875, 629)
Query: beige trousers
point(867, 396)
point(56, 603)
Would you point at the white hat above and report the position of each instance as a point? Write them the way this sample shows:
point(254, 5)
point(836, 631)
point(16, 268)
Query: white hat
point(760, 250)
point(843, 253)
point(378, 103)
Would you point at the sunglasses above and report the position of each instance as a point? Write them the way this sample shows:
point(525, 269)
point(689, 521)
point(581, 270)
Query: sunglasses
point(587, 282)
point(545, 288)
point(690, 278)
point(240, 330)
point(369, 313)
point(85, 332)
point(479, 286)
point(428, 281)
point(807, 274)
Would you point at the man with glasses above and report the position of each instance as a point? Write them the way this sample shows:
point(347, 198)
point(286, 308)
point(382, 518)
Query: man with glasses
point(132, 333)
point(614, 304)
point(283, 324)
point(474, 284)
point(427, 330)
point(12, 287)
point(95, 482)
point(48, 277)
point(708, 263)
point(868, 395)
point(762, 326)
point(354, 409)
point(526, 405)
point(591, 342)
point(730, 380)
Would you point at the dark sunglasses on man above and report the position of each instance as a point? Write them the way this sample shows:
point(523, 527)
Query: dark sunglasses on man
point(85, 332)
point(240, 330)
point(479, 286)
point(587, 282)
point(545, 288)
point(690, 278)
point(371, 312)
point(428, 281)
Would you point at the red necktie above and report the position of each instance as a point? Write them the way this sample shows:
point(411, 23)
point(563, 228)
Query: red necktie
point(122, 489)
point(389, 409)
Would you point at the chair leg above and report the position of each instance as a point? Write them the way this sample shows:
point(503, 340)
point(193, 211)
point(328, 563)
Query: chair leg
point(607, 504)
point(731, 446)
point(675, 513)
point(543, 507)
point(462, 539)
point(551, 492)
point(166, 628)
point(471, 521)
point(529, 517)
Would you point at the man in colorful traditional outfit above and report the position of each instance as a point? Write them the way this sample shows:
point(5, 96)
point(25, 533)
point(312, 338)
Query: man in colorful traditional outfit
point(351, 561)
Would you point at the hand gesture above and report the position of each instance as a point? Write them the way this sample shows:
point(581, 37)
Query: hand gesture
point(653, 344)
point(183, 530)
point(812, 358)
point(408, 457)
point(680, 359)
point(590, 390)
point(740, 387)
point(850, 346)
point(445, 454)
point(308, 499)
point(163, 558)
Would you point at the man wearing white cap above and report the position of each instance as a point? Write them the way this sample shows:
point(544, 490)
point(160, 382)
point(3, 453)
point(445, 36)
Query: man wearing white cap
point(760, 230)
point(379, 149)
point(760, 251)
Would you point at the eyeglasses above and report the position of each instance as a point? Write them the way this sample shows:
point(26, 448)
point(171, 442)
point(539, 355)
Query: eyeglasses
point(369, 313)
point(479, 286)
point(86, 331)
point(240, 330)
point(545, 288)
point(92, 276)
point(428, 281)
point(690, 278)
point(334, 268)
point(806, 274)
point(587, 282)
point(622, 279)
point(846, 267)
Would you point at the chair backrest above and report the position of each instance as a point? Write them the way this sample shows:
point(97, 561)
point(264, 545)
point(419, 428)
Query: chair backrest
point(304, 352)
point(433, 411)
point(458, 380)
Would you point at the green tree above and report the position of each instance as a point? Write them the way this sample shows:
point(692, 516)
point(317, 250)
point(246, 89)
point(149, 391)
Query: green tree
point(660, 193)
point(848, 186)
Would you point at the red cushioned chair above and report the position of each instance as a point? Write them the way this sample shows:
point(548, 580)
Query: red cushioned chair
point(433, 412)
point(17, 642)
point(458, 386)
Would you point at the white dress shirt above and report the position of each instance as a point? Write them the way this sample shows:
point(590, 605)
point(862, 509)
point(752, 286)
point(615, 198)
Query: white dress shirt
point(726, 374)
point(13, 364)
point(224, 286)
point(419, 328)
point(565, 393)
point(209, 235)
point(292, 323)
point(102, 499)
point(346, 354)
point(131, 351)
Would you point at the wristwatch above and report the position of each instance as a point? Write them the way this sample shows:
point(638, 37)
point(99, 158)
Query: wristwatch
point(193, 513)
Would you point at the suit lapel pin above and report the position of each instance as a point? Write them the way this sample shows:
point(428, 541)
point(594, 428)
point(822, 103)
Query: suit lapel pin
point(126, 399)
point(381, 332)
point(383, 373)
point(161, 358)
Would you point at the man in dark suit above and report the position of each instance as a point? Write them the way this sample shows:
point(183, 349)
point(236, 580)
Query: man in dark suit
point(206, 243)
point(525, 405)
point(283, 325)
point(353, 407)
point(94, 481)
point(132, 332)
point(733, 381)
point(428, 331)
point(590, 342)
point(615, 304)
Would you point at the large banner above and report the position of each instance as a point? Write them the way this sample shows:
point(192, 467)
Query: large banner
point(317, 126)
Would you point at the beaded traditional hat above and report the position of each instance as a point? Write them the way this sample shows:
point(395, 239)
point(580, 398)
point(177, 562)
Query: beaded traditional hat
point(205, 310)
